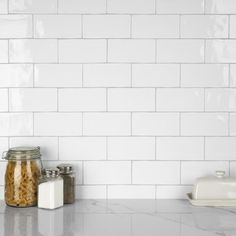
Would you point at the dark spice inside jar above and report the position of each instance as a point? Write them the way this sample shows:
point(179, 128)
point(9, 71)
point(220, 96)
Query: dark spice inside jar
point(66, 172)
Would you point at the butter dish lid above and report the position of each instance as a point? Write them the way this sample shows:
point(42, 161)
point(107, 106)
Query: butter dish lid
point(215, 187)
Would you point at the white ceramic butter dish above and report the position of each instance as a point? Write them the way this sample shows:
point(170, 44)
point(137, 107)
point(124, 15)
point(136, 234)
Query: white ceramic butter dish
point(217, 190)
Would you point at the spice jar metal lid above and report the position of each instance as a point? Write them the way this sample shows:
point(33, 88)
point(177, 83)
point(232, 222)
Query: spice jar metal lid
point(65, 168)
point(22, 153)
point(51, 172)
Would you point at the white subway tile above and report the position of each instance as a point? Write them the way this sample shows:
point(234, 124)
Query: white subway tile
point(191, 170)
point(204, 124)
point(87, 148)
point(204, 26)
point(131, 6)
point(84, 99)
point(57, 124)
point(232, 75)
point(82, 6)
point(4, 51)
point(153, 124)
point(48, 145)
point(91, 192)
point(180, 6)
point(180, 99)
point(131, 99)
point(15, 26)
point(223, 51)
point(16, 124)
point(154, 75)
point(220, 148)
point(131, 50)
point(32, 99)
point(3, 145)
point(16, 75)
point(220, 6)
point(107, 172)
point(156, 172)
point(155, 26)
point(232, 168)
point(232, 26)
point(220, 99)
point(3, 100)
point(106, 26)
point(106, 75)
point(184, 50)
point(180, 148)
point(57, 26)
point(33, 50)
point(2, 172)
point(105, 124)
point(82, 50)
point(232, 122)
point(131, 148)
point(3, 6)
point(77, 167)
point(204, 75)
point(131, 192)
point(33, 6)
point(173, 192)
point(58, 75)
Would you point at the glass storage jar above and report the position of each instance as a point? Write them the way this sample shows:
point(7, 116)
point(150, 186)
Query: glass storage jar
point(66, 172)
point(22, 175)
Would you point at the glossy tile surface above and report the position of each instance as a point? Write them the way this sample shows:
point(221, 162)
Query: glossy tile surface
point(15, 26)
point(119, 217)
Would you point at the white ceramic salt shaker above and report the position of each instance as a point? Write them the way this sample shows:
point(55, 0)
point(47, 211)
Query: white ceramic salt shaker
point(50, 189)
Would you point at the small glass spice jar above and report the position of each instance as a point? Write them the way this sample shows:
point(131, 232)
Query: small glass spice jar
point(66, 171)
point(50, 189)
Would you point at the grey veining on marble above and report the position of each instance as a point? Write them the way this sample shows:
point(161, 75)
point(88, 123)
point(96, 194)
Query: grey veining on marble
point(119, 218)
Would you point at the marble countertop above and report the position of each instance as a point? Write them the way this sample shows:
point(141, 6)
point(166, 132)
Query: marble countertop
point(119, 218)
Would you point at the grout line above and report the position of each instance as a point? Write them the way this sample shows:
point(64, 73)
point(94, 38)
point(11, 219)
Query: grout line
point(120, 14)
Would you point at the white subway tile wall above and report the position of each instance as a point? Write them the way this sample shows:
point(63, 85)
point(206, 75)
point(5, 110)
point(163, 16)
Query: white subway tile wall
point(140, 95)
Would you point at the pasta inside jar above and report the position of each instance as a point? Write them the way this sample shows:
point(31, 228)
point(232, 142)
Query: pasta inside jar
point(21, 185)
point(22, 175)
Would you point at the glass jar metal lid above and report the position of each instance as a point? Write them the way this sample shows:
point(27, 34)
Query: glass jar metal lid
point(65, 168)
point(22, 153)
point(51, 172)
